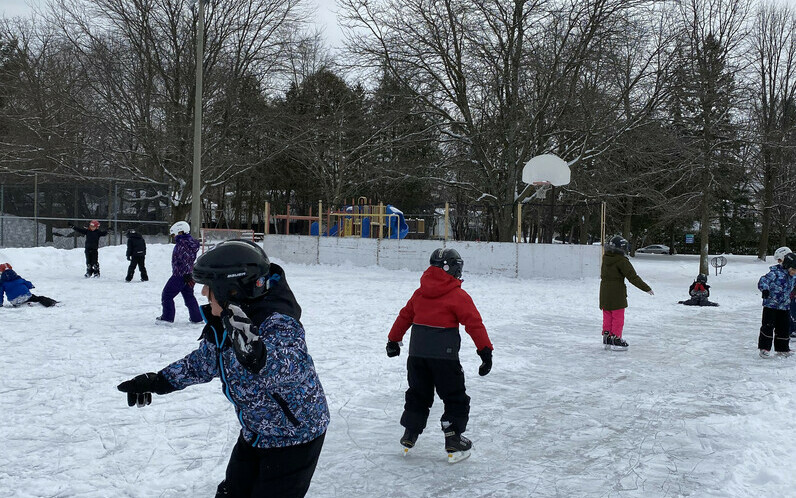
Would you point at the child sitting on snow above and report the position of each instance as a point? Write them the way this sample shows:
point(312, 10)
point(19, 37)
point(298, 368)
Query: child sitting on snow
point(17, 289)
point(699, 292)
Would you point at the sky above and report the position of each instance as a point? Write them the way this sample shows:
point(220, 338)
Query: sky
point(690, 409)
point(325, 16)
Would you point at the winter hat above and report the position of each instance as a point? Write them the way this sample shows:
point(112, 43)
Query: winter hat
point(4, 267)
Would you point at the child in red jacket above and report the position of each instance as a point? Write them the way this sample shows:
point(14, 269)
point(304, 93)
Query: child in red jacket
point(434, 312)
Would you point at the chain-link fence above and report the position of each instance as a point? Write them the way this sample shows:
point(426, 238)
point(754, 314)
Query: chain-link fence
point(36, 210)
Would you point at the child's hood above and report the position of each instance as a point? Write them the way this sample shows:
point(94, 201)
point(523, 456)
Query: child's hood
point(8, 276)
point(437, 282)
point(612, 258)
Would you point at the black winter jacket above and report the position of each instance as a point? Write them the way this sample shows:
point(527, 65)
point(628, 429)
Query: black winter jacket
point(92, 236)
point(136, 245)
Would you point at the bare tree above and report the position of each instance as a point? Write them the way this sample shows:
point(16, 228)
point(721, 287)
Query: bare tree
point(773, 60)
point(506, 80)
point(139, 59)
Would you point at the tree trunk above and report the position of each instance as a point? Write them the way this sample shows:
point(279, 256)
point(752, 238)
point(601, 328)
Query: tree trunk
point(768, 197)
point(704, 232)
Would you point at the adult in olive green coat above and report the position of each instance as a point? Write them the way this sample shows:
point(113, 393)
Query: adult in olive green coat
point(613, 291)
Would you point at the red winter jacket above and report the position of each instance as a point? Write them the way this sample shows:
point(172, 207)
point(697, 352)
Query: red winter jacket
point(435, 311)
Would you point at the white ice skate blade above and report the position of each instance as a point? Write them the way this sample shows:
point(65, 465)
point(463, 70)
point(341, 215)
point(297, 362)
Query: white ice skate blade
point(458, 456)
point(405, 452)
point(618, 348)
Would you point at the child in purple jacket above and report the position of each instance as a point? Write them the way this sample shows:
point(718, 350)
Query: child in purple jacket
point(181, 282)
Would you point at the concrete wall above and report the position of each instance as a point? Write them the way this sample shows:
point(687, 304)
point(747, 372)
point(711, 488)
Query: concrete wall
point(505, 259)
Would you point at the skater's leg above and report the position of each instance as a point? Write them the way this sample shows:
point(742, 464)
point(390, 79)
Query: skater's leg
point(190, 301)
point(142, 268)
point(617, 322)
point(449, 381)
point(88, 262)
point(766, 336)
point(173, 287)
point(43, 300)
point(92, 260)
point(242, 471)
point(287, 472)
point(607, 320)
point(131, 268)
point(419, 396)
point(782, 331)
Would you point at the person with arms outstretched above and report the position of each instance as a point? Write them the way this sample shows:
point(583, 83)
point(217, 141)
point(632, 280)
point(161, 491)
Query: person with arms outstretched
point(254, 343)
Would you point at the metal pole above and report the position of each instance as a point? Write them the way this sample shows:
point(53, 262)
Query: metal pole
point(196, 214)
point(447, 211)
point(36, 206)
point(116, 212)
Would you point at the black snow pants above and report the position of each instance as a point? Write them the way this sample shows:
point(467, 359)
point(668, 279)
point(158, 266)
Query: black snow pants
point(92, 262)
point(138, 261)
point(270, 472)
point(43, 300)
point(447, 377)
point(776, 328)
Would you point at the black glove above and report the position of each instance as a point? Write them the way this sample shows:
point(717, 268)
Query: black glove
point(249, 349)
point(393, 349)
point(188, 279)
point(486, 360)
point(766, 293)
point(139, 389)
point(129, 258)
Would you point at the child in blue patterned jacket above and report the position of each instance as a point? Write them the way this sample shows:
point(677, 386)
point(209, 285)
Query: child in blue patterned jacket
point(17, 289)
point(254, 343)
point(776, 287)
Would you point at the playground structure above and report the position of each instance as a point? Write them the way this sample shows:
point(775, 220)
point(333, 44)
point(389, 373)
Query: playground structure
point(360, 219)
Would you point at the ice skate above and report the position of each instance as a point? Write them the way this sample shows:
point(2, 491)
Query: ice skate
point(408, 440)
point(162, 321)
point(457, 446)
point(765, 353)
point(616, 343)
point(606, 334)
point(784, 354)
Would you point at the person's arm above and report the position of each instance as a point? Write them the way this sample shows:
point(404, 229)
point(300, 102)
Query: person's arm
point(101, 233)
point(129, 249)
point(626, 267)
point(84, 231)
point(404, 320)
point(468, 315)
point(28, 284)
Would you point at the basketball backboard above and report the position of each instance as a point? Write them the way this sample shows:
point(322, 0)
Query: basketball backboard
point(546, 169)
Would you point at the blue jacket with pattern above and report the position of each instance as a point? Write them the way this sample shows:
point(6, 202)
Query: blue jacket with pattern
point(281, 405)
point(779, 285)
point(13, 286)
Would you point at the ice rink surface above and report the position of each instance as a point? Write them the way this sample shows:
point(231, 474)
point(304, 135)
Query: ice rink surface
point(688, 410)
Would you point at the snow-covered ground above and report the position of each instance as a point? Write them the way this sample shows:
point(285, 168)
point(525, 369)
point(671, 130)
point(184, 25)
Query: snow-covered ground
point(689, 410)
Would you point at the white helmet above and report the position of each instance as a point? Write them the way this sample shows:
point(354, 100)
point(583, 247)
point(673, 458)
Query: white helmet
point(780, 253)
point(180, 226)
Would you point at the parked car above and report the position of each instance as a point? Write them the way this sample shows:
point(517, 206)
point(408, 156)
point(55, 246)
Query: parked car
point(654, 249)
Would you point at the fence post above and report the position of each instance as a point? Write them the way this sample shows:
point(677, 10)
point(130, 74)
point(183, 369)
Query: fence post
point(267, 227)
point(2, 211)
point(519, 221)
point(74, 233)
point(320, 217)
point(36, 207)
point(447, 220)
point(110, 210)
point(381, 219)
point(116, 212)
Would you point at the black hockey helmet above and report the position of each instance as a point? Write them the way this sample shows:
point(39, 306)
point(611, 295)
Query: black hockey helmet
point(617, 244)
point(702, 278)
point(449, 260)
point(235, 270)
point(789, 261)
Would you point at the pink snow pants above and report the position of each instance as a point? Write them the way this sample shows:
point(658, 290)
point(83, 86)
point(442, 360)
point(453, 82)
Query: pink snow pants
point(614, 321)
